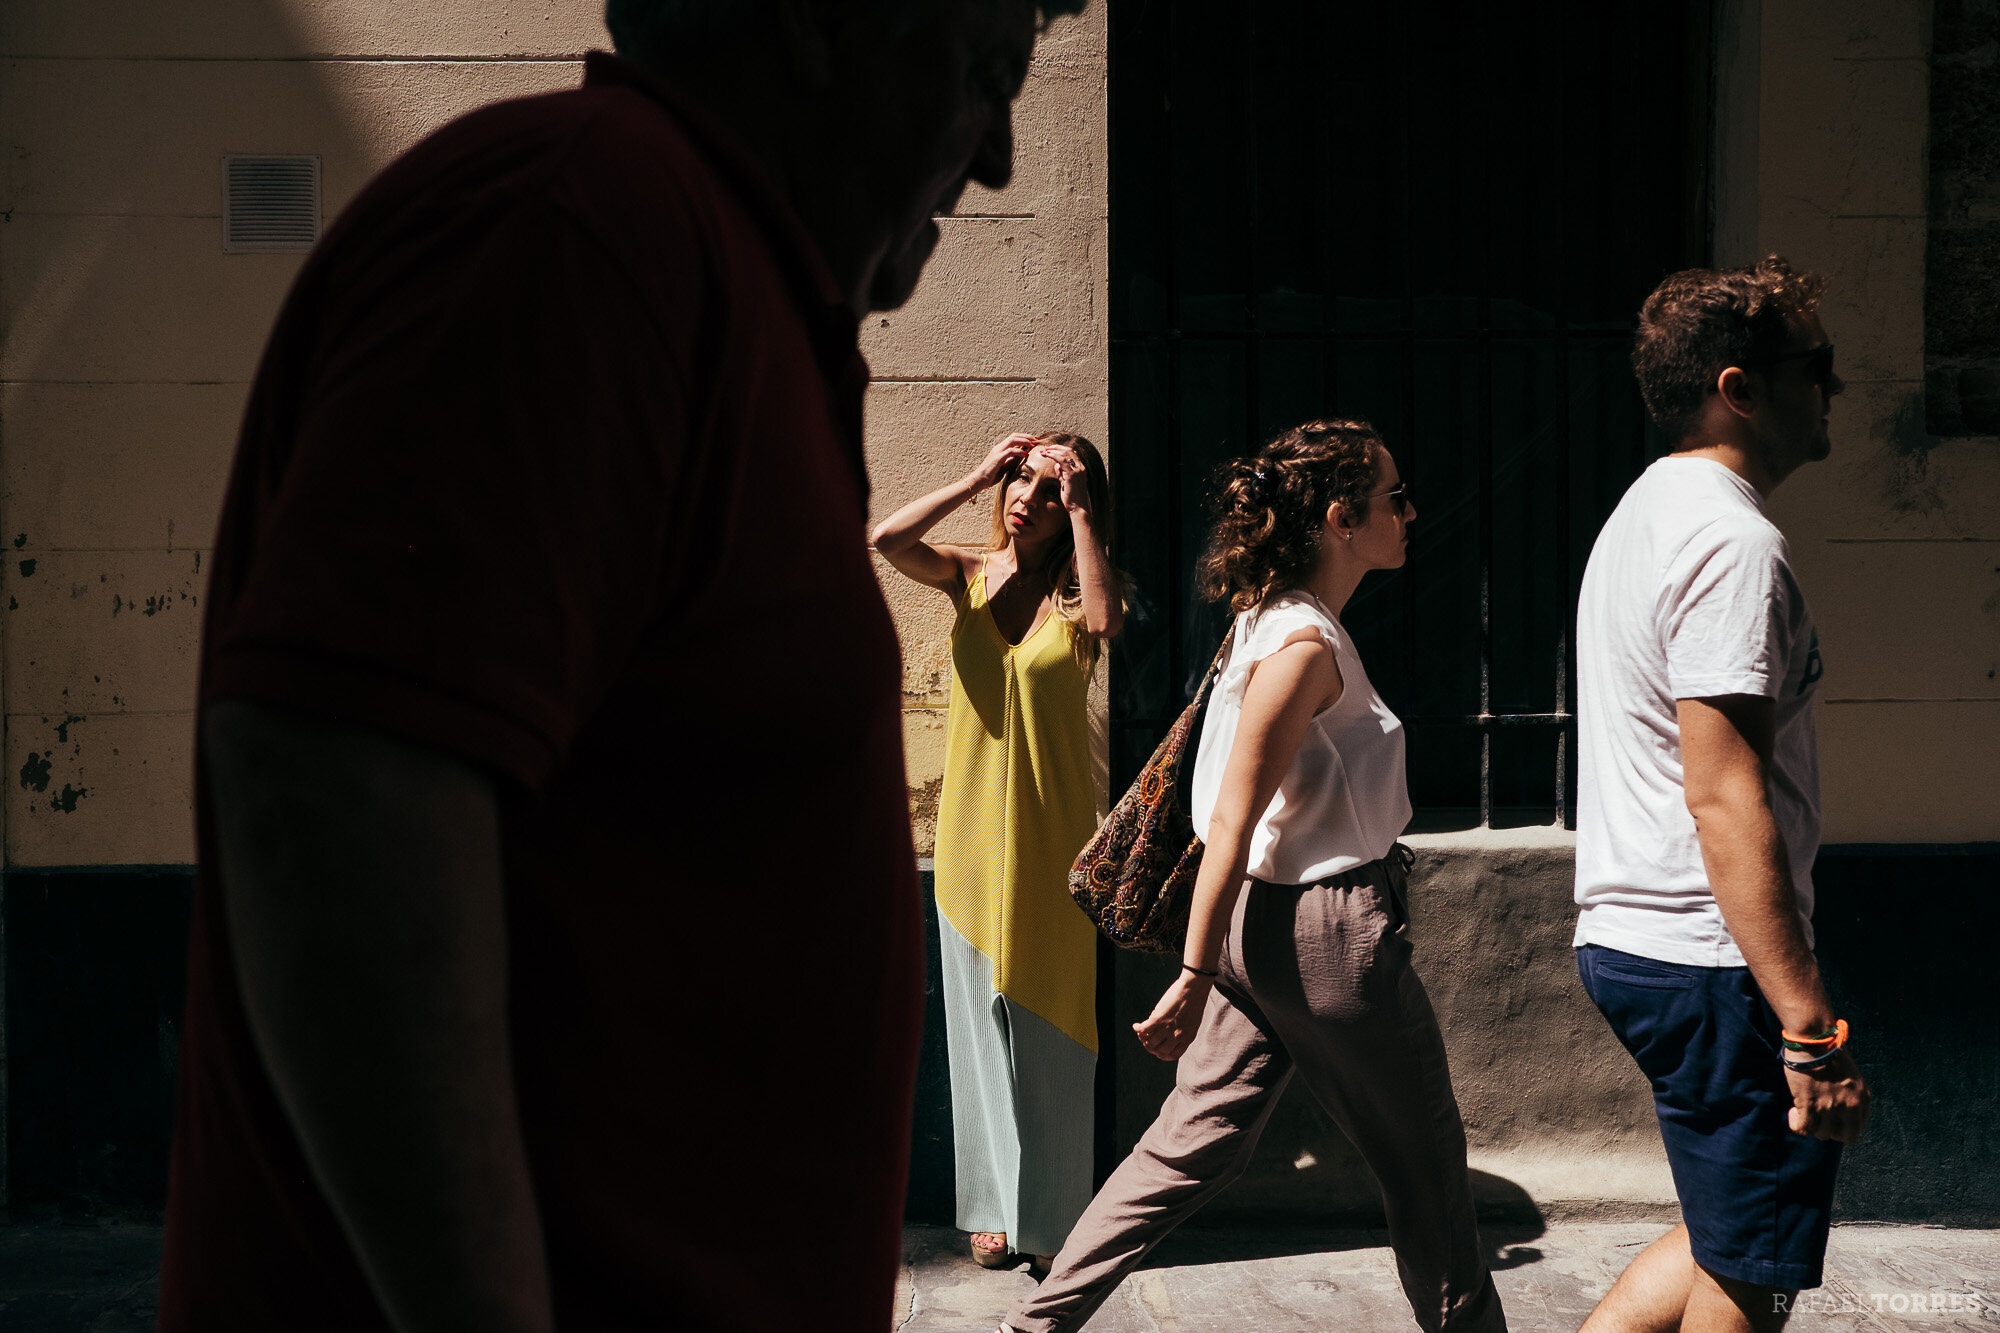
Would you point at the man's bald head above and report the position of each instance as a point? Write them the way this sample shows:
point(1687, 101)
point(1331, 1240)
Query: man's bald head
point(644, 28)
point(874, 116)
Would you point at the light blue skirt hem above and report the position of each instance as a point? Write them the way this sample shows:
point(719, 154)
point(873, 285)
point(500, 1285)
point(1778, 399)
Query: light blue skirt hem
point(1021, 1102)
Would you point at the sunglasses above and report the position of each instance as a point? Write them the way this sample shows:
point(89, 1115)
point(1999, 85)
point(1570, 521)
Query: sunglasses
point(1819, 362)
point(1402, 494)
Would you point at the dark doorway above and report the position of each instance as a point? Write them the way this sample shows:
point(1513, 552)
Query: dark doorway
point(1441, 218)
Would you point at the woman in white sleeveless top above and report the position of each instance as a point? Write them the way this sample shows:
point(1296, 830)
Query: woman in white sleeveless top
point(1298, 955)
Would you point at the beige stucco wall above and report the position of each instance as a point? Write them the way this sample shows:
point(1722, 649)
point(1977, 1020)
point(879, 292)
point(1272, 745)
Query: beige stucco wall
point(1897, 535)
point(129, 340)
point(1008, 332)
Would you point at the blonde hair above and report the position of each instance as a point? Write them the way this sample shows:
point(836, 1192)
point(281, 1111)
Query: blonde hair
point(1058, 566)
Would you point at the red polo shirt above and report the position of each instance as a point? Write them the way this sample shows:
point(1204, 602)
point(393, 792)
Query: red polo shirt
point(554, 463)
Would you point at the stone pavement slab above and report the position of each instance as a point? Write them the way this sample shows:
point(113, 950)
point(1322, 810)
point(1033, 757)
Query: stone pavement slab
point(1239, 1279)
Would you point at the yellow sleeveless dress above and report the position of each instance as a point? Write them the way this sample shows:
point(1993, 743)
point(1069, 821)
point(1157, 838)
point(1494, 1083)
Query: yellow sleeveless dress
point(1020, 975)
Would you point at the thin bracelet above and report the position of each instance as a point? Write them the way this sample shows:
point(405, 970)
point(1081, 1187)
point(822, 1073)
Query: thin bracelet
point(1817, 1062)
point(1198, 972)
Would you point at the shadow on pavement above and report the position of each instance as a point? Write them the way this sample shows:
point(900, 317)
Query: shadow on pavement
point(1508, 1218)
point(57, 1278)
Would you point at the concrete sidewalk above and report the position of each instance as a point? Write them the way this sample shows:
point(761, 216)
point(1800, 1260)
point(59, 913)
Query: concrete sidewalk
point(1224, 1279)
point(1239, 1279)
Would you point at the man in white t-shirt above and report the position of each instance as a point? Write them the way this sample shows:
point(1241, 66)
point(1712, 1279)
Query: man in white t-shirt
point(1698, 817)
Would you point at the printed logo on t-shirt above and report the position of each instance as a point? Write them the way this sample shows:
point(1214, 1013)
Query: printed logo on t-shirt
point(1814, 668)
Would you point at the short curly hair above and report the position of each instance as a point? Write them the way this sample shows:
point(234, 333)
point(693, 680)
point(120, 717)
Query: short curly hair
point(1700, 321)
point(1270, 509)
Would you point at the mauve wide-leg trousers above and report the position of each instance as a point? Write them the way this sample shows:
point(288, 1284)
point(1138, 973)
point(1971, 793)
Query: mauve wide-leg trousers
point(1316, 979)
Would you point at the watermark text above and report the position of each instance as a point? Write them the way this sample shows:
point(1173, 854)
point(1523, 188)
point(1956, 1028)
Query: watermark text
point(1883, 1302)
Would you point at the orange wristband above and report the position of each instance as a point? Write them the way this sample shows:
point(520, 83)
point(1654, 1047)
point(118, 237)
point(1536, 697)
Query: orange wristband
point(1832, 1041)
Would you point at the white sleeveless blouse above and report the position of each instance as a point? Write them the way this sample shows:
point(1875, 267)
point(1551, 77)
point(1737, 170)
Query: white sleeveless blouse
point(1346, 798)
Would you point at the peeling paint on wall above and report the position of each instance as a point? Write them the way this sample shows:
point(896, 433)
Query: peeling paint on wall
point(923, 815)
point(38, 772)
point(926, 689)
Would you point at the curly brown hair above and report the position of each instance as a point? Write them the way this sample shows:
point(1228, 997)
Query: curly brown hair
point(1700, 321)
point(1271, 509)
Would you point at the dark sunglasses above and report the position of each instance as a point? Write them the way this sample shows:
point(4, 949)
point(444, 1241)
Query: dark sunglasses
point(1402, 494)
point(1819, 362)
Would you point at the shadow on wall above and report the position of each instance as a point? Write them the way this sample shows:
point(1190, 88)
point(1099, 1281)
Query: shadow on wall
point(115, 191)
point(127, 341)
point(114, 266)
point(128, 338)
point(95, 976)
point(1905, 939)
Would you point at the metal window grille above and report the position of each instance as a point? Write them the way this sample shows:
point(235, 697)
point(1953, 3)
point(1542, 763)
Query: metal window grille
point(1439, 218)
point(270, 203)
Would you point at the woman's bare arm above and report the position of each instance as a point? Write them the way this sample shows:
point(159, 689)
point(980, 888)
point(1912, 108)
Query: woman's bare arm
point(1103, 608)
point(1284, 693)
point(899, 537)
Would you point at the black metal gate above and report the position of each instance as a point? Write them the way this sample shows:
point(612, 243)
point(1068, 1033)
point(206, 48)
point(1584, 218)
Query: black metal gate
point(1441, 218)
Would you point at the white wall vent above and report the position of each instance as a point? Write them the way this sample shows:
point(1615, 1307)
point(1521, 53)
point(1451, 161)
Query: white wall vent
point(269, 203)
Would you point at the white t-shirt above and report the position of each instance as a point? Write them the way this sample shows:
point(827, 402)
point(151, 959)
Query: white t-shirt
point(1689, 594)
point(1346, 798)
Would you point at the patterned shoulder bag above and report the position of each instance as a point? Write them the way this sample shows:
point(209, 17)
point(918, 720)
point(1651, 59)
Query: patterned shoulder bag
point(1135, 879)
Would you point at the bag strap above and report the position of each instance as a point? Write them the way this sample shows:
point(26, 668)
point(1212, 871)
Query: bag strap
point(1214, 668)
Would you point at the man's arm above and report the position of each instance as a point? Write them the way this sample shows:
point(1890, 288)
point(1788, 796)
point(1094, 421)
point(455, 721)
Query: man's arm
point(1726, 758)
point(361, 881)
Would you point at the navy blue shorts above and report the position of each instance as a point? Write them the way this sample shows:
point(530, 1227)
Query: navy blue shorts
point(1757, 1198)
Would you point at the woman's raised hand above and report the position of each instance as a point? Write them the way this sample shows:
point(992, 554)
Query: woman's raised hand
point(1011, 450)
point(1169, 1030)
point(1069, 472)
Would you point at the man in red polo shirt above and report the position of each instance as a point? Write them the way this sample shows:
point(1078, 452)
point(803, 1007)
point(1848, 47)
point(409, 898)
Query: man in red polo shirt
point(556, 959)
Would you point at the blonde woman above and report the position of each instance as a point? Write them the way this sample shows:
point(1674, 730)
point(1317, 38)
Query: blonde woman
point(1297, 957)
point(1019, 974)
